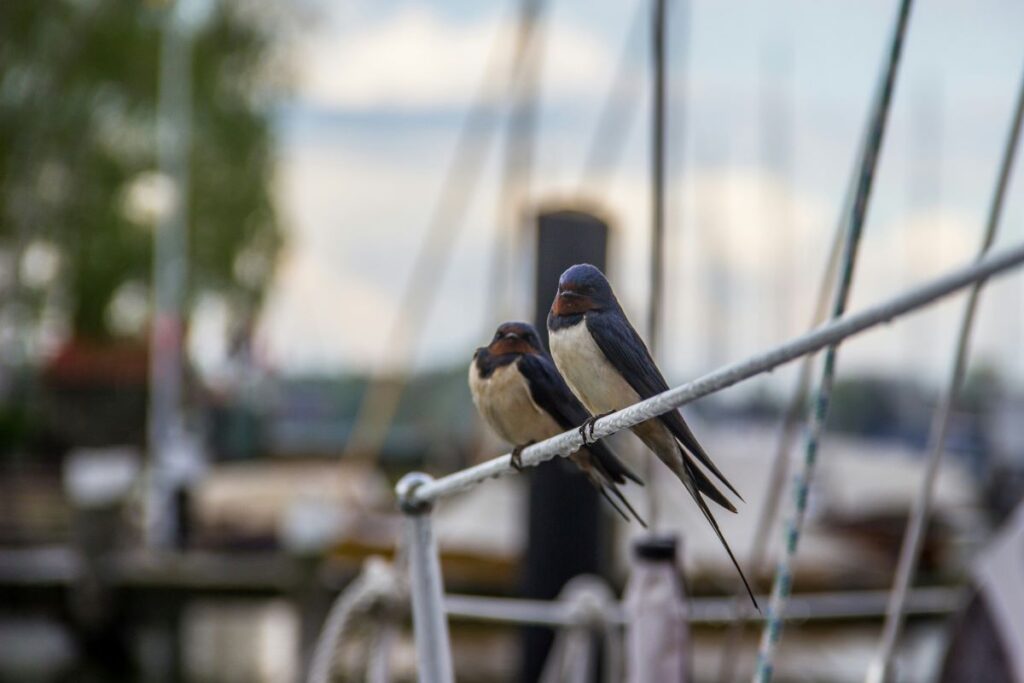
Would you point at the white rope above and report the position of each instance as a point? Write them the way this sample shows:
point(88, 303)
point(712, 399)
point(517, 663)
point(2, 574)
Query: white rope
point(831, 333)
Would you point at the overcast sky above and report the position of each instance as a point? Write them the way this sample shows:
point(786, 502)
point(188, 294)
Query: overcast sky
point(381, 88)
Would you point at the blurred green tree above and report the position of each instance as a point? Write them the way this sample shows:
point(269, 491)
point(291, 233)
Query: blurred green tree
point(78, 95)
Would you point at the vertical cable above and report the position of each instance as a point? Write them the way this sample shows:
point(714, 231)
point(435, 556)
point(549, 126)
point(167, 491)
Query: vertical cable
point(776, 477)
point(618, 112)
point(379, 402)
point(795, 410)
point(170, 277)
point(657, 270)
point(913, 538)
point(783, 577)
point(508, 255)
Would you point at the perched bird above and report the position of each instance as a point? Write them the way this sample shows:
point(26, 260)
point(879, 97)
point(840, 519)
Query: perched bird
point(608, 367)
point(519, 393)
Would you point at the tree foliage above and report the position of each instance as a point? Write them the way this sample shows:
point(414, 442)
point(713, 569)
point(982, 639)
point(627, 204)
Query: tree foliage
point(78, 112)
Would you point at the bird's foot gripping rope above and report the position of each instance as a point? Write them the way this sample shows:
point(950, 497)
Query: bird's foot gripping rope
point(516, 457)
point(587, 428)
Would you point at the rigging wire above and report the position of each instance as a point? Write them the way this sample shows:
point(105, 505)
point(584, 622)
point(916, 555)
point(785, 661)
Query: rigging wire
point(913, 538)
point(657, 261)
point(782, 585)
point(780, 465)
point(674, 142)
point(618, 113)
point(380, 401)
point(792, 418)
point(520, 140)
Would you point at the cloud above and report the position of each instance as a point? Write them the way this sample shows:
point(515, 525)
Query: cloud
point(897, 255)
point(415, 59)
point(745, 247)
point(755, 221)
point(931, 241)
point(351, 250)
point(317, 315)
point(743, 260)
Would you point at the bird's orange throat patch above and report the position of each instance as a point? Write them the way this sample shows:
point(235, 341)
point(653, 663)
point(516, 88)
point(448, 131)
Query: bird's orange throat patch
point(504, 346)
point(571, 304)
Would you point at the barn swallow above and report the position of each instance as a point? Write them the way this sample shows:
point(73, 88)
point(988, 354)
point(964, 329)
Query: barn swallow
point(519, 393)
point(608, 367)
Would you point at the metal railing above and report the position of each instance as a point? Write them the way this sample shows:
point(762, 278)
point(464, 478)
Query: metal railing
point(861, 604)
point(379, 596)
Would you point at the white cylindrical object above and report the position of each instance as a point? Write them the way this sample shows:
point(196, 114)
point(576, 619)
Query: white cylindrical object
point(658, 635)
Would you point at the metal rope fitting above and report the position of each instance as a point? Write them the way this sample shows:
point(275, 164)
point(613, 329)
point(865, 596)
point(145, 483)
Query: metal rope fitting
point(405, 491)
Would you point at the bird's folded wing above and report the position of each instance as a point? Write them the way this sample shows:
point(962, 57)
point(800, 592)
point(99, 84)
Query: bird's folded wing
point(628, 354)
point(550, 392)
